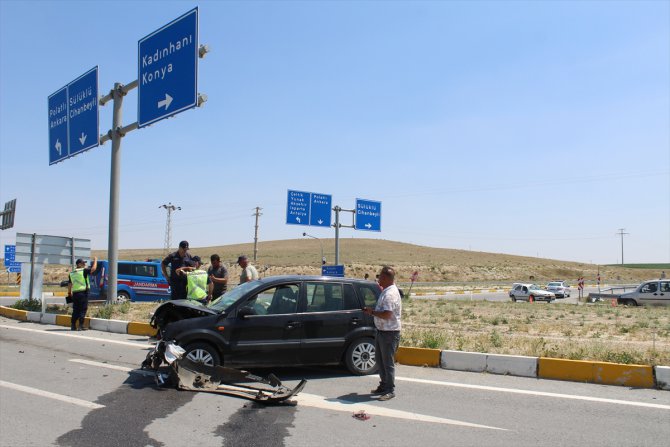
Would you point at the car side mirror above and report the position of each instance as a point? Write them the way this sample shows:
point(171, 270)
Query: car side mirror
point(245, 311)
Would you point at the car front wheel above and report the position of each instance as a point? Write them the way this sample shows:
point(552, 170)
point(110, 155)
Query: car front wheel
point(360, 357)
point(202, 353)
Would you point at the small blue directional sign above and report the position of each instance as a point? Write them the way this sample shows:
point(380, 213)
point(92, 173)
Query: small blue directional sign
point(74, 117)
point(308, 208)
point(368, 215)
point(320, 207)
point(10, 259)
point(332, 270)
point(168, 70)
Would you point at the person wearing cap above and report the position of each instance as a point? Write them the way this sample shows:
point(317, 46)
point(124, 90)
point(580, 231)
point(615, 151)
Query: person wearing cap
point(217, 278)
point(249, 272)
point(77, 291)
point(196, 280)
point(177, 259)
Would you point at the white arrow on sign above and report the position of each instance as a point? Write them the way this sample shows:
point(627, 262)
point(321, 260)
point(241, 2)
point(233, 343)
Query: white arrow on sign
point(82, 138)
point(368, 225)
point(297, 219)
point(58, 146)
point(320, 221)
point(165, 102)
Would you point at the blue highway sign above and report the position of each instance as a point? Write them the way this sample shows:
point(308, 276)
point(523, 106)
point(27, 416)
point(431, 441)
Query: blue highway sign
point(320, 206)
point(74, 117)
point(308, 208)
point(168, 70)
point(10, 259)
point(297, 209)
point(332, 270)
point(368, 215)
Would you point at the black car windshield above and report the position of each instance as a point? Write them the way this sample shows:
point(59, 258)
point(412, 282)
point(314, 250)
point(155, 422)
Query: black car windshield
point(227, 299)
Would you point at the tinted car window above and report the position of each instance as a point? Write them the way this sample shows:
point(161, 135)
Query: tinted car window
point(649, 288)
point(277, 300)
point(324, 297)
point(369, 293)
point(350, 298)
point(145, 270)
point(125, 269)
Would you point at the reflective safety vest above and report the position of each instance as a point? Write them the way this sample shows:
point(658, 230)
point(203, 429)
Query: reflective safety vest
point(79, 282)
point(196, 286)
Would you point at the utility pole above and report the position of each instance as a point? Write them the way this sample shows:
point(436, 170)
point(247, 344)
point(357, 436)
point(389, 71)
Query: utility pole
point(257, 214)
point(168, 226)
point(621, 232)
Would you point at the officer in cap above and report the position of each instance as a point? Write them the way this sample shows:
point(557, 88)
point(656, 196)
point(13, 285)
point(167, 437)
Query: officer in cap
point(176, 260)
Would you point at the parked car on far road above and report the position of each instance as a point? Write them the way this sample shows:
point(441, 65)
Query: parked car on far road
point(531, 293)
point(559, 288)
point(651, 293)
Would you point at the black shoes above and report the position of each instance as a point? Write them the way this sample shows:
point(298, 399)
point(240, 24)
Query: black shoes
point(387, 396)
point(378, 390)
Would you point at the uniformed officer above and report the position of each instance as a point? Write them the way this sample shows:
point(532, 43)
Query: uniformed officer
point(177, 259)
point(196, 281)
point(77, 290)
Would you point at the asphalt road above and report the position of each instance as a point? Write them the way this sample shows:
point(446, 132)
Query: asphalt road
point(65, 388)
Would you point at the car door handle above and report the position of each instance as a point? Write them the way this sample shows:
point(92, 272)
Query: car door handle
point(293, 324)
point(355, 321)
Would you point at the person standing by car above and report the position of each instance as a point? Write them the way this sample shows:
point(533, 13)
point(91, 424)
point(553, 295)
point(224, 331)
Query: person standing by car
point(386, 314)
point(196, 280)
point(249, 272)
point(177, 259)
point(77, 290)
point(217, 278)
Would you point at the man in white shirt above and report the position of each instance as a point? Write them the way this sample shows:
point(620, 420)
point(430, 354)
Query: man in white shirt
point(386, 313)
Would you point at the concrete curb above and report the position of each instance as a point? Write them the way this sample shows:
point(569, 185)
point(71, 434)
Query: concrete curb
point(418, 356)
point(662, 374)
point(640, 376)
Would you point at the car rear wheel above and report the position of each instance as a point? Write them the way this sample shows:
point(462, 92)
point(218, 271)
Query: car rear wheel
point(629, 303)
point(513, 299)
point(122, 297)
point(202, 353)
point(360, 357)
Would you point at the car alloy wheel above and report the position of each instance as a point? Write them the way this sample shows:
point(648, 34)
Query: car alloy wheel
point(360, 358)
point(122, 297)
point(202, 353)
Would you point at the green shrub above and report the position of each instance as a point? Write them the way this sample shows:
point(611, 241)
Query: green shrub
point(29, 305)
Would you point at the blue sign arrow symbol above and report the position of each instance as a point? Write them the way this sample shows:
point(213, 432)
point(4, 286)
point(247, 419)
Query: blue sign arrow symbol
point(59, 147)
point(82, 138)
point(165, 102)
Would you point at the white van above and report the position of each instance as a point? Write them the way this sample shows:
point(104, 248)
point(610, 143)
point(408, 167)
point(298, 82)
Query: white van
point(651, 293)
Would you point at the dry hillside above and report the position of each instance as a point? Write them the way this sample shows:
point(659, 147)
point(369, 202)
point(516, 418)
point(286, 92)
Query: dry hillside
point(360, 256)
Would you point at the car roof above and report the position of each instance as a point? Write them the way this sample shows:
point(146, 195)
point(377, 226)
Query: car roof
point(288, 278)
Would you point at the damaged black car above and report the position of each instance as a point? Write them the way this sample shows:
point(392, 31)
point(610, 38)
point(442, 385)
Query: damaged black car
point(278, 321)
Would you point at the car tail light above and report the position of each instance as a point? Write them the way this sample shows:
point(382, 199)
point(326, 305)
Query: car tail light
point(220, 328)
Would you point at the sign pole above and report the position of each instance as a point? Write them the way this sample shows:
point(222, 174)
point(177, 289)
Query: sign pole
point(337, 210)
point(114, 179)
point(32, 266)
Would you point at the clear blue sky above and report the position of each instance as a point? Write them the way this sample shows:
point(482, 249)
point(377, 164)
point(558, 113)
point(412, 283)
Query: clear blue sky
point(532, 128)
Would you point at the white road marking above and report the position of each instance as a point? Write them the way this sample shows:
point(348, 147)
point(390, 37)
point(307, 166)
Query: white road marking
point(50, 395)
point(115, 367)
point(83, 337)
point(311, 400)
point(536, 393)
